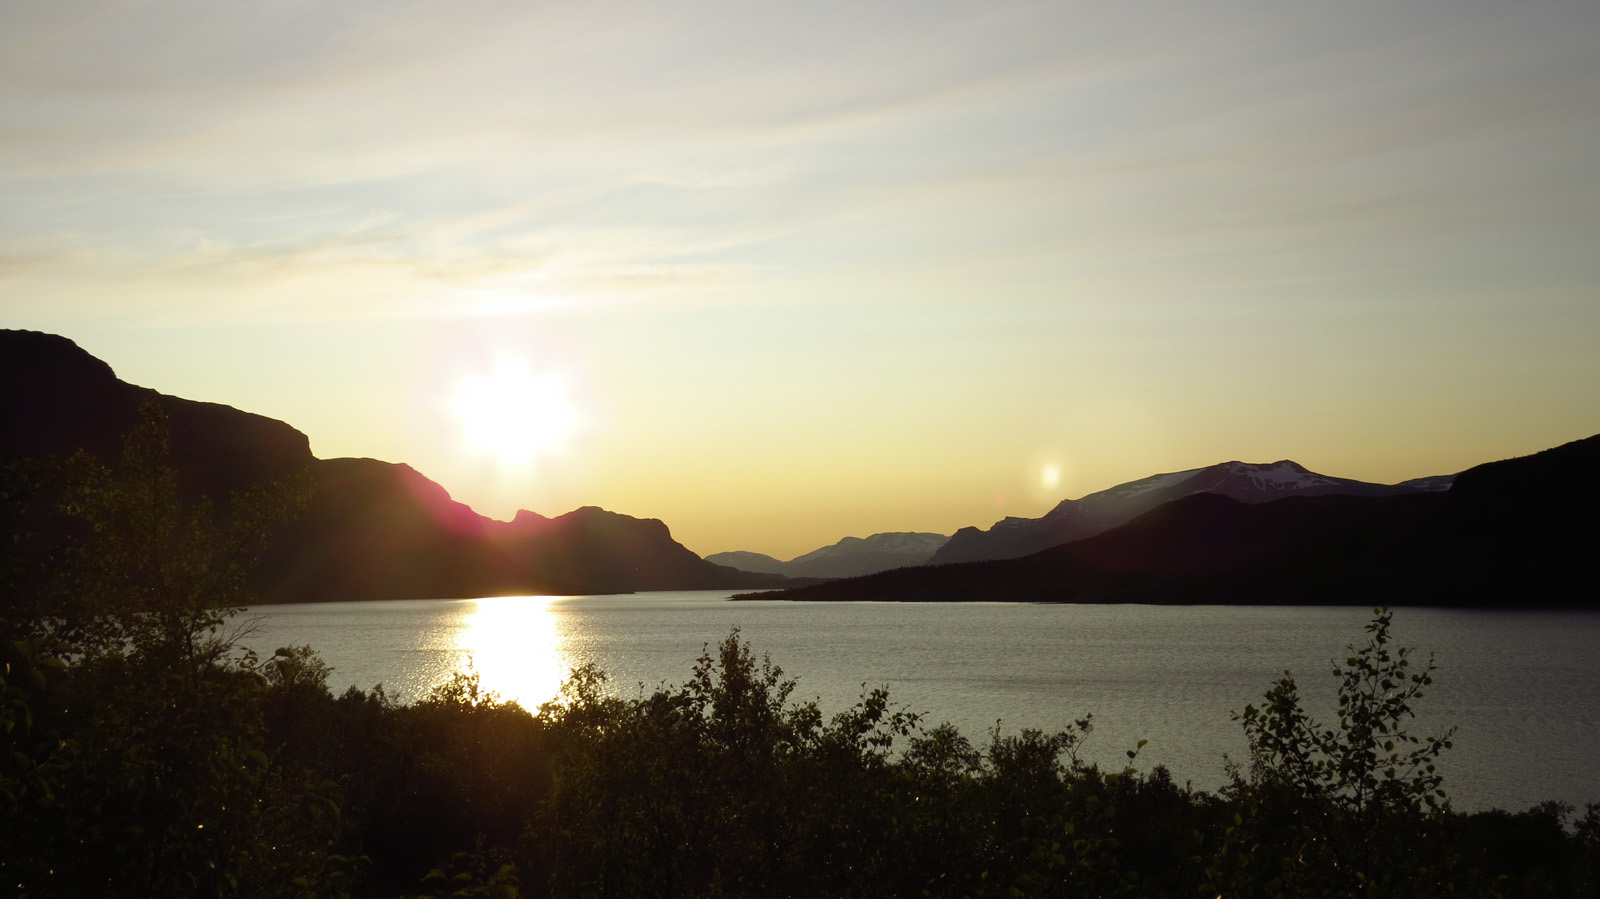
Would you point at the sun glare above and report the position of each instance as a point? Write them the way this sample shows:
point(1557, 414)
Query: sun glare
point(514, 412)
point(1045, 476)
point(1050, 477)
point(514, 645)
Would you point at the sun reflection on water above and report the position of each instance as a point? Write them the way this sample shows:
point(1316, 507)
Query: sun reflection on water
point(516, 648)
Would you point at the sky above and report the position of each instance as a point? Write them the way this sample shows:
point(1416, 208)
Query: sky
point(779, 273)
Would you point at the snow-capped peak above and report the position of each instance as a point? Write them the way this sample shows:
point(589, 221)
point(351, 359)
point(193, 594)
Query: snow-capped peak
point(898, 542)
point(1279, 476)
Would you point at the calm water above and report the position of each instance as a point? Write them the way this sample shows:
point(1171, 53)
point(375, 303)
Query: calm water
point(1522, 688)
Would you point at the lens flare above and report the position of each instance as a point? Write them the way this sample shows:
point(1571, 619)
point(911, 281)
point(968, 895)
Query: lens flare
point(1050, 476)
point(1044, 477)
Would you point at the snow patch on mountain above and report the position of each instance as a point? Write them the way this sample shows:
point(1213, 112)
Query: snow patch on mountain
point(1438, 483)
point(896, 542)
point(1145, 485)
point(1101, 511)
point(1283, 475)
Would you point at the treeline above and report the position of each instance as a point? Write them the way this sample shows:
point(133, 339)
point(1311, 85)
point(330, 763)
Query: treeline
point(143, 754)
point(202, 776)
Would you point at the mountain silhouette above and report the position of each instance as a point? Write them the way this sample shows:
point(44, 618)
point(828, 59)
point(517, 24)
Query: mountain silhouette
point(850, 557)
point(56, 399)
point(372, 529)
point(759, 563)
point(1099, 512)
point(1513, 534)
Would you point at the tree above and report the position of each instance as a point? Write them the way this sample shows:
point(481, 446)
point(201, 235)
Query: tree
point(1340, 810)
point(723, 786)
point(157, 572)
point(157, 780)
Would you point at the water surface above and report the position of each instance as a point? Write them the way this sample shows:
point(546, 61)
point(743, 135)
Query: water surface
point(1523, 689)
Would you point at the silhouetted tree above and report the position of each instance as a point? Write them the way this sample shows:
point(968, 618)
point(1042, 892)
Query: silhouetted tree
point(1342, 810)
point(157, 779)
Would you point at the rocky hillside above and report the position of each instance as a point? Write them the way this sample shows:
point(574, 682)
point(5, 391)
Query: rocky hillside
point(372, 529)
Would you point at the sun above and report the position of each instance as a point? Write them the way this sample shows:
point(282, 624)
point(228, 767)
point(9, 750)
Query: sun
point(1050, 476)
point(514, 412)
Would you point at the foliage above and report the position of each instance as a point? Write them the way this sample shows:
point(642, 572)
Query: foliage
point(29, 752)
point(483, 873)
point(714, 787)
point(1341, 810)
point(137, 759)
point(728, 786)
point(159, 572)
point(142, 754)
point(1371, 762)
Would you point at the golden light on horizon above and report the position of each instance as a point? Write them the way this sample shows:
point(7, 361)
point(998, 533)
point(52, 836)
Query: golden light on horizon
point(1050, 476)
point(514, 412)
point(515, 649)
point(1044, 477)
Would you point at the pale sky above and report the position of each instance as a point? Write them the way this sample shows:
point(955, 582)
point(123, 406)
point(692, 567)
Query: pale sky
point(795, 271)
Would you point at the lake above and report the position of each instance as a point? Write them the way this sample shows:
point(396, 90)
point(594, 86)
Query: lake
point(1522, 688)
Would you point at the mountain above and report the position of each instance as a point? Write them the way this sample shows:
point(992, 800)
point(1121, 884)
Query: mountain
point(1512, 534)
point(380, 530)
point(1100, 512)
point(372, 529)
point(56, 399)
point(850, 557)
point(760, 563)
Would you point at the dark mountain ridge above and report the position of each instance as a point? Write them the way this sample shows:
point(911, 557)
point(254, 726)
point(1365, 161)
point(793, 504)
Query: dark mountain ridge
point(1513, 534)
point(56, 399)
point(372, 529)
point(1097, 513)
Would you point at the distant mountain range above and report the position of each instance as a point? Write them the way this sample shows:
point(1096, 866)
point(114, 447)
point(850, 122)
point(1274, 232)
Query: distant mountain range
point(373, 530)
point(1516, 533)
point(1097, 513)
point(850, 557)
point(1509, 534)
point(1070, 520)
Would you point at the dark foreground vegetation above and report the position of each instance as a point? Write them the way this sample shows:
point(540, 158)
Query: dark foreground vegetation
point(142, 754)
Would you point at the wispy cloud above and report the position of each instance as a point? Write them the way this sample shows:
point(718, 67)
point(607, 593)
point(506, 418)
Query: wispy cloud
point(621, 149)
point(1087, 214)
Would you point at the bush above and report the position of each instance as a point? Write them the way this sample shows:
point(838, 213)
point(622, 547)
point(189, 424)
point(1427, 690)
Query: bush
point(1341, 810)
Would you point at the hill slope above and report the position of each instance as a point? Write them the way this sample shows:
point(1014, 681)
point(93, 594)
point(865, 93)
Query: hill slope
point(373, 530)
point(1511, 534)
point(1097, 513)
point(850, 557)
